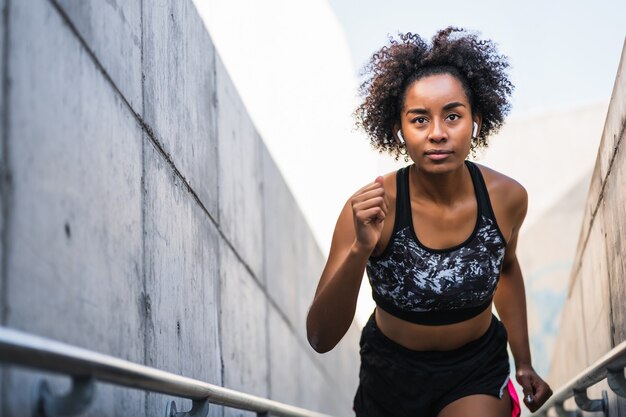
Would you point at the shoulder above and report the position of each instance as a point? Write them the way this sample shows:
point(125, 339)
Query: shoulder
point(390, 182)
point(505, 191)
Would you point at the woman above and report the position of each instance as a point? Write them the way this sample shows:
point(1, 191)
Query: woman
point(437, 239)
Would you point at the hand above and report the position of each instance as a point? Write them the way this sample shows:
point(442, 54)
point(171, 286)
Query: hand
point(369, 209)
point(536, 390)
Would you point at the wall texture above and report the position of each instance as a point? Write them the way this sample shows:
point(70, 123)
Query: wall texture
point(142, 215)
point(546, 253)
point(593, 320)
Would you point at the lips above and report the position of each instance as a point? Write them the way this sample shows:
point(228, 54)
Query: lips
point(437, 154)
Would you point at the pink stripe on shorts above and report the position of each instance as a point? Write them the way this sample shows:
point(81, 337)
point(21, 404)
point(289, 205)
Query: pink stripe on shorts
point(514, 400)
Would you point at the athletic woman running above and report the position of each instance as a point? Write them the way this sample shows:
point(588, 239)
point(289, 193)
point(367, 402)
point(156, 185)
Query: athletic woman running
point(437, 239)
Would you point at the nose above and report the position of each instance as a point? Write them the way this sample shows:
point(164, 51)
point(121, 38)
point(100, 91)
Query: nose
point(437, 134)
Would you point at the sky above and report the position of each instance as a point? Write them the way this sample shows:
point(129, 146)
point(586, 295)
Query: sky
point(561, 52)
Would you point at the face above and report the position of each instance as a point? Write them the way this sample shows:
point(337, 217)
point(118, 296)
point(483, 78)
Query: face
point(437, 123)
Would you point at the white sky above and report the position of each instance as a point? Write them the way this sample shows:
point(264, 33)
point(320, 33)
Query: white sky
point(562, 52)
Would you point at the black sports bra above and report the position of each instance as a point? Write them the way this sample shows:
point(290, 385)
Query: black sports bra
point(438, 286)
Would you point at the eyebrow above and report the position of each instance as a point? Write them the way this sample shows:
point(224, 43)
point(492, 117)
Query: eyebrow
point(446, 107)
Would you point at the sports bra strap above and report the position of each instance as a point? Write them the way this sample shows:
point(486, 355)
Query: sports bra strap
point(403, 207)
point(482, 195)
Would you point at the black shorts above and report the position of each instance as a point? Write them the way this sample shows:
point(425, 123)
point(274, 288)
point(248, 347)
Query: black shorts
point(400, 382)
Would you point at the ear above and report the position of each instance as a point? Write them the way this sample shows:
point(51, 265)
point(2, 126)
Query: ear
point(394, 132)
point(479, 120)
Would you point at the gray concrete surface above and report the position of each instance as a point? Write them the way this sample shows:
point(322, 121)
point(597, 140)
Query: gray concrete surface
point(3, 183)
point(243, 324)
point(281, 261)
point(179, 93)
point(74, 269)
point(146, 219)
point(182, 286)
point(594, 318)
point(112, 31)
point(240, 175)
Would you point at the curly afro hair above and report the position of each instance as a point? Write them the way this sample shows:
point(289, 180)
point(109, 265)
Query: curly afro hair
point(391, 70)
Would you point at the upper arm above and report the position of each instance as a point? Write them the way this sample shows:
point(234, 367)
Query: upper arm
point(516, 207)
point(343, 238)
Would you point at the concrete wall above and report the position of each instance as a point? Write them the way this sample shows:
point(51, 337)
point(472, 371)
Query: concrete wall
point(593, 320)
point(142, 215)
point(3, 182)
point(546, 253)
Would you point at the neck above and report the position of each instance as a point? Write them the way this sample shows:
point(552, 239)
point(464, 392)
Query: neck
point(441, 189)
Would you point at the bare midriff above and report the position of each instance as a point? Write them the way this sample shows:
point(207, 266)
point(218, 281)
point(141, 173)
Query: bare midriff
point(442, 337)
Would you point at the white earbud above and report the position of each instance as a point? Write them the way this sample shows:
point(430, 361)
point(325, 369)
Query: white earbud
point(475, 130)
point(399, 133)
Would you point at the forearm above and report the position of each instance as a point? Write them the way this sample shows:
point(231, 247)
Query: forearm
point(333, 308)
point(510, 301)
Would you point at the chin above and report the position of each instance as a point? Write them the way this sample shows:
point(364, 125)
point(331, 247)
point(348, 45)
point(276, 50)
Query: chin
point(440, 167)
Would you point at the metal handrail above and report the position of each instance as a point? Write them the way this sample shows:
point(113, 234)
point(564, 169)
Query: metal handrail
point(37, 352)
point(610, 366)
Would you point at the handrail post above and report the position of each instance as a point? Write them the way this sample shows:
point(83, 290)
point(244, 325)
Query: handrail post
point(617, 382)
point(587, 404)
point(198, 409)
point(76, 401)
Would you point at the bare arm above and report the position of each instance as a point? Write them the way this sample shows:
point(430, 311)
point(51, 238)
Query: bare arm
point(510, 301)
point(356, 234)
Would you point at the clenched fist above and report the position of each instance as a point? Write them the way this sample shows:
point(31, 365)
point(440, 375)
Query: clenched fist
point(536, 390)
point(369, 209)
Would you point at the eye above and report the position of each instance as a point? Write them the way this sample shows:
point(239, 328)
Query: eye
point(454, 117)
point(419, 120)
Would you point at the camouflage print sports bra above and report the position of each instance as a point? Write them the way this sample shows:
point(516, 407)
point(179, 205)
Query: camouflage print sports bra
point(438, 286)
